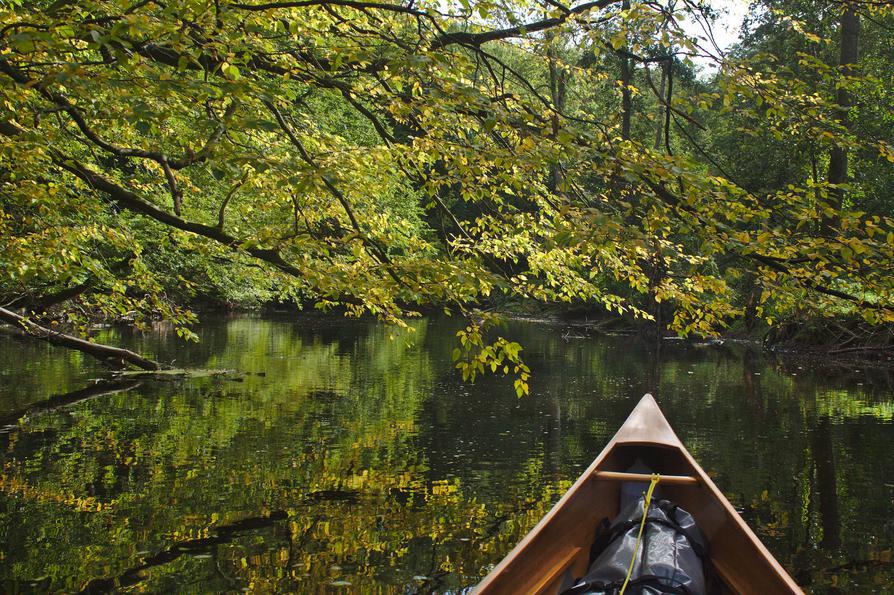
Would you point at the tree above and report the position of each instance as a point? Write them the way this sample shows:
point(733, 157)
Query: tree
point(206, 130)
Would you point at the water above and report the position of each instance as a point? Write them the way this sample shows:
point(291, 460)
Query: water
point(348, 457)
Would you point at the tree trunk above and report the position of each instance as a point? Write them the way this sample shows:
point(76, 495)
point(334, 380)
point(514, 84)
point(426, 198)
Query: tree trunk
point(113, 356)
point(626, 95)
point(557, 87)
point(659, 130)
point(625, 98)
point(848, 56)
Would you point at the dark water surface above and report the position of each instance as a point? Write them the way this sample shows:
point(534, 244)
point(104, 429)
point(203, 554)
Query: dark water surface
point(345, 460)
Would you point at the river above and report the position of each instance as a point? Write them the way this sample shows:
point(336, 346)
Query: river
point(348, 456)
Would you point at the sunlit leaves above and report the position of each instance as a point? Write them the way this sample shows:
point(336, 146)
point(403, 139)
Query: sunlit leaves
point(501, 356)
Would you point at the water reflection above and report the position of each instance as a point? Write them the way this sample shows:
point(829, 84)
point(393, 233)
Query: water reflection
point(348, 456)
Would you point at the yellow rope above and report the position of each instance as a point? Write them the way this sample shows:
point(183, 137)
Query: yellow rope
point(655, 479)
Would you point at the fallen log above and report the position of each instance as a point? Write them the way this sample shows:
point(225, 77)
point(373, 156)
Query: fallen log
point(111, 356)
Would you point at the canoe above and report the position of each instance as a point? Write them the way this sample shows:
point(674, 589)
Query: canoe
point(561, 540)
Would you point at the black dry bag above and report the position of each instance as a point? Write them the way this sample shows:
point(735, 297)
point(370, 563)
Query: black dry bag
point(669, 559)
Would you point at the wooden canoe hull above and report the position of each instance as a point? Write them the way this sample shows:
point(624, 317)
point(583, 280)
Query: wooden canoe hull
point(562, 539)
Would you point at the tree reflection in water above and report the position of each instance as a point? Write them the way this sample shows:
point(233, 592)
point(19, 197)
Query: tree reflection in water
point(345, 457)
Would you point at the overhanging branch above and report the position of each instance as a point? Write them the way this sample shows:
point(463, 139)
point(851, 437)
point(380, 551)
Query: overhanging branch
point(132, 202)
point(478, 38)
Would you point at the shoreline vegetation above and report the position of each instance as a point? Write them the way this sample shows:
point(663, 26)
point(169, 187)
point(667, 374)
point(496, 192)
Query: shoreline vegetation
point(839, 341)
point(867, 354)
point(862, 347)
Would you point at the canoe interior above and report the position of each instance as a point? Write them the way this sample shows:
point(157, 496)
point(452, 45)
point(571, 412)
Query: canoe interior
point(562, 541)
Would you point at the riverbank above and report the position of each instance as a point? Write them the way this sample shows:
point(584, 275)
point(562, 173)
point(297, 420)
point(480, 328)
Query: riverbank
point(853, 346)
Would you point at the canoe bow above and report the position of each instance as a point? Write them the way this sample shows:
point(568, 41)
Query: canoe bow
point(559, 545)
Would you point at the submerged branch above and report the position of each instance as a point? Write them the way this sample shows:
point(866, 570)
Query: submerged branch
point(100, 388)
point(222, 534)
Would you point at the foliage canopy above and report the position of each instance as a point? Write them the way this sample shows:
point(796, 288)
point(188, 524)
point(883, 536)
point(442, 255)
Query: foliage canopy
point(383, 157)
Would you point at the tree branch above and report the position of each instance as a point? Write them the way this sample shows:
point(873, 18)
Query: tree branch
point(379, 252)
point(132, 202)
point(226, 201)
point(476, 39)
point(162, 159)
point(349, 3)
